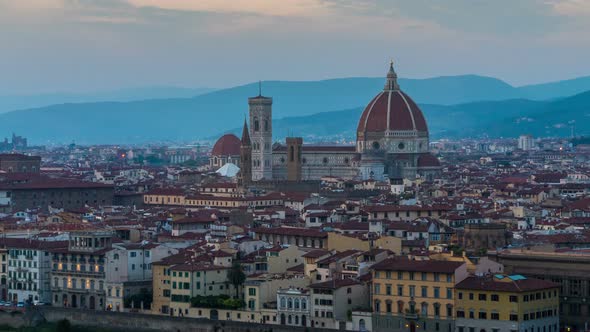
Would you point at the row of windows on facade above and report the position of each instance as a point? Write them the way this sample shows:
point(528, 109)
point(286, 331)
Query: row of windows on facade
point(257, 147)
point(257, 124)
point(61, 203)
point(78, 267)
point(397, 213)
point(73, 284)
point(546, 328)
point(257, 163)
point(186, 285)
point(23, 169)
point(166, 199)
point(412, 291)
point(22, 275)
point(78, 259)
point(31, 286)
point(299, 241)
point(412, 276)
point(483, 314)
point(412, 308)
point(14, 253)
point(181, 274)
point(512, 298)
point(31, 264)
point(60, 193)
point(325, 160)
point(296, 304)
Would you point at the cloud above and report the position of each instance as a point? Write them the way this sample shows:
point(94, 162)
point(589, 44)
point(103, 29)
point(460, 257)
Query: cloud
point(32, 5)
point(259, 7)
point(571, 7)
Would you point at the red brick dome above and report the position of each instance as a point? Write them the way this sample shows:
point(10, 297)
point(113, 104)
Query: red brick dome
point(391, 110)
point(227, 145)
point(428, 160)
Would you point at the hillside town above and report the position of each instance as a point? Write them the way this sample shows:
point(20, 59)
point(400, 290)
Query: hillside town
point(393, 233)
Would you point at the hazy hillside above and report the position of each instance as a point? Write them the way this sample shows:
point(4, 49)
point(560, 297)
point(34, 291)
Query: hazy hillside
point(555, 89)
point(212, 113)
point(508, 118)
point(18, 102)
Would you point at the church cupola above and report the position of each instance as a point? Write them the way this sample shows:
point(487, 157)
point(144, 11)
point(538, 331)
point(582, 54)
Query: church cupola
point(391, 83)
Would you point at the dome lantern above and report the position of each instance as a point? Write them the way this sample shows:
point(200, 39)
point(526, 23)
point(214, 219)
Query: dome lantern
point(391, 83)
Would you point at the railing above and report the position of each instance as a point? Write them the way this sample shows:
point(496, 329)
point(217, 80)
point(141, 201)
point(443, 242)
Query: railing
point(83, 273)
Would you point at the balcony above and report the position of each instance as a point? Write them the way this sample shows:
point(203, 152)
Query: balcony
point(78, 273)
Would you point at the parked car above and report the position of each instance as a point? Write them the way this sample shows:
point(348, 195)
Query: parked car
point(20, 305)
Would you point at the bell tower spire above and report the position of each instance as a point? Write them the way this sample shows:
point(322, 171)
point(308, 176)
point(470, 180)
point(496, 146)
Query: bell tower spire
point(391, 83)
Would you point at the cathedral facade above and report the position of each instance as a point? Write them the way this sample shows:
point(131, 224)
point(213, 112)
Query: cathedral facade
point(392, 143)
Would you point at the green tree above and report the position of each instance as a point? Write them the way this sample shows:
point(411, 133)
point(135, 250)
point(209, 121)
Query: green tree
point(63, 325)
point(236, 277)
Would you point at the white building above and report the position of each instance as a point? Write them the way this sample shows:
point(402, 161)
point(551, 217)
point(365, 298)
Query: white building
point(129, 270)
point(526, 142)
point(294, 307)
point(28, 270)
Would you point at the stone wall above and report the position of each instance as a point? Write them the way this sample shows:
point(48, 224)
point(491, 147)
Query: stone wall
point(139, 322)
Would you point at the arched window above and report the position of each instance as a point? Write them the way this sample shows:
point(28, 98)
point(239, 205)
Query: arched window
point(256, 124)
point(290, 320)
point(296, 303)
point(116, 256)
point(283, 302)
point(292, 153)
point(303, 304)
point(265, 124)
point(424, 309)
point(290, 303)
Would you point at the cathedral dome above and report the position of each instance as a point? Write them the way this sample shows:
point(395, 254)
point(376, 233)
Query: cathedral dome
point(428, 160)
point(391, 111)
point(227, 145)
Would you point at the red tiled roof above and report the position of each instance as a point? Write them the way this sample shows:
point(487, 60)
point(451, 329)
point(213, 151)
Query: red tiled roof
point(291, 231)
point(335, 284)
point(506, 284)
point(227, 145)
point(428, 160)
point(395, 106)
point(404, 264)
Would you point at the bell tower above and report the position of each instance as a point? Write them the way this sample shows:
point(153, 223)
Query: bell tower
point(260, 108)
point(245, 157)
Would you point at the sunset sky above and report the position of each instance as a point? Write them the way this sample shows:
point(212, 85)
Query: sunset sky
point(85, 45)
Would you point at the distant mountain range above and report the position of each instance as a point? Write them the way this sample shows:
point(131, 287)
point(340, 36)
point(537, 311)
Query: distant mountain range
point(507, 118)
point(18, 102)
point(455, 106)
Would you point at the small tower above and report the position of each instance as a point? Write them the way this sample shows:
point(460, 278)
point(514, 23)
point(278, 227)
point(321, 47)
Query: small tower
point(245, 157)
point(391, 83)
point(261, 136)
point(294, 145)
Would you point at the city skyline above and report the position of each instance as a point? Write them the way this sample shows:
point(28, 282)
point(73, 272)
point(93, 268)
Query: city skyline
point(82, 46)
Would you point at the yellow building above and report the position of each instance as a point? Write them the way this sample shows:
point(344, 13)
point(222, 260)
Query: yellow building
point(160, 288)
point(408, 295)
point(503, 303)
point(163, 196)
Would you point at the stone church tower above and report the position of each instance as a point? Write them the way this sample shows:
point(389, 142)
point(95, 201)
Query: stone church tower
point(261, 137)
point(245, 157)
